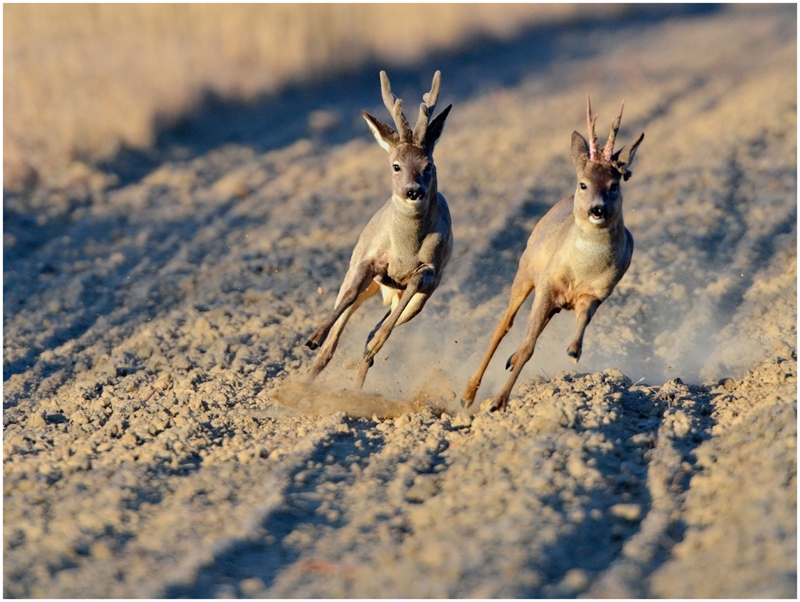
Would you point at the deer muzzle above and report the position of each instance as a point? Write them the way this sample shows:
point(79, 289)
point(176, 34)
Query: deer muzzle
point(598, 214)
point(414, 193)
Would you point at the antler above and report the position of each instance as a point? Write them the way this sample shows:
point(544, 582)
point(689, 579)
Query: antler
point(431, 97)
point(395, 106)
point(609, 148)
point(594, 150)
point(426, 108)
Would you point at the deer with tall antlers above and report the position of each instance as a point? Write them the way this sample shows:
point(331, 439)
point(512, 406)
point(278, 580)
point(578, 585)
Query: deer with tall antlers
point(403, 250)
point(575, 256)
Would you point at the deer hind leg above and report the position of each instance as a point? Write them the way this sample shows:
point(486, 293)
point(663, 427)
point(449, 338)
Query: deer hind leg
point(414, 306)
point(584, 310)
point(422, 279)
point(522, 287)
point(412, 309)
point(374, 330)
point(372, 334)
point(512, 359)
point(541, 312)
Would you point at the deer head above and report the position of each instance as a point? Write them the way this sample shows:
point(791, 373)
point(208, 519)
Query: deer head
point(598, 197)
point(410, 152)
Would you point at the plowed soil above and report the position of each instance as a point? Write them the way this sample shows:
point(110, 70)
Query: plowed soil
point(158, 440)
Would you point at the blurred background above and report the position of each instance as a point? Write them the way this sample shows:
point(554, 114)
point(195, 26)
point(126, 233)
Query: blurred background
point(84, 81)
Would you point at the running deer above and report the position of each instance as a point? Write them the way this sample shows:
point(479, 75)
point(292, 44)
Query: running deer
point(404, 249)
point(575, 255)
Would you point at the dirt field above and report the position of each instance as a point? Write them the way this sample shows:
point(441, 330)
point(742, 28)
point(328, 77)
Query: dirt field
point(157, 442)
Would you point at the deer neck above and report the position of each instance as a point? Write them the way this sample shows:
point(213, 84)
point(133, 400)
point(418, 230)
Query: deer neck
point(592, 240)
point(412, 223)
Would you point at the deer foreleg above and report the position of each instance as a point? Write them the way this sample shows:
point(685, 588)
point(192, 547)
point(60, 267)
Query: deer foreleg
point(541, 312)
point(522, 287)
point(329, 346)
point(357, 280)
point(584, 310)
point(413, 308)
point(420, 282)
point(358, 285)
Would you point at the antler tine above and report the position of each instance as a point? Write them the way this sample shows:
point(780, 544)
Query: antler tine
point(433, 96)
point(395, 106)
point(426, 108)
point(590, 123)
point(609, 148)
point(422, 123)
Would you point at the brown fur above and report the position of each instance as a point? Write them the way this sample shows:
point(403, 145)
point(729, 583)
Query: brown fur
point(574, 258)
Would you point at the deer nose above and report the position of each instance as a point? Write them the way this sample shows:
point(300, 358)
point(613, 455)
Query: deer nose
point(599, 212)
point(413, 193)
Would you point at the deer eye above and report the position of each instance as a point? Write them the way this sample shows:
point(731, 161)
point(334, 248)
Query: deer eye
point(614, 187)
point(583, 186)
point(428, 168)
point(396, 167)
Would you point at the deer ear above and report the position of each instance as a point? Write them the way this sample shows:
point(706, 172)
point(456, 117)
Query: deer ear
point(435, 128)
point(580, 150)
point(383, 133)
point(625, 155)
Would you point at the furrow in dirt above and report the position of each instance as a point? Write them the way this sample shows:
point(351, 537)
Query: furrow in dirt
point(172, 501)
point(353, 483)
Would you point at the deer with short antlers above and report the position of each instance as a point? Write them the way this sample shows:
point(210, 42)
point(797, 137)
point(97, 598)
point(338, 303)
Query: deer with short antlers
point(405, 247)
point(575, 256)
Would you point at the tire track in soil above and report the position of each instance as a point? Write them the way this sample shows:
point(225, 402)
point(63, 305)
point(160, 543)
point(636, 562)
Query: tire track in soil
point(159, 231)
point(324, 501)
point(153, 279)
point(170, 546)
point(111, 297)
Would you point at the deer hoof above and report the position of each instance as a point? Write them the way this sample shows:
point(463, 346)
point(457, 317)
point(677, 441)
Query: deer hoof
point(468, 396)
point(510, 363)
point(497, 404)
point(574, 354)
